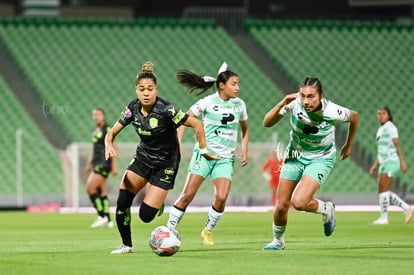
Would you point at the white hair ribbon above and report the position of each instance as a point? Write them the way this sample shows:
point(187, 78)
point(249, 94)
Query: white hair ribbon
point(223, 68)
point(207, 78)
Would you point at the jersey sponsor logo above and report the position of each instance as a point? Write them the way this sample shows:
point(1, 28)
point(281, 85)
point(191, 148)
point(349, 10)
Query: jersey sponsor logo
point(166, 179)
point(169, 171)
point(153, 122)
point(178, 117)
point(143, 132)
point(196, 165)
point(227, 118)
point(309, 129)
point(172, 110)
point(222, 133)
point(136, 122)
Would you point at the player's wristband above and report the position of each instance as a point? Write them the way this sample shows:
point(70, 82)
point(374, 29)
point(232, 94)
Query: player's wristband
point(203, 151)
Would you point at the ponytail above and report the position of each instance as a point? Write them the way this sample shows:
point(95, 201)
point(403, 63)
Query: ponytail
point(194, 81)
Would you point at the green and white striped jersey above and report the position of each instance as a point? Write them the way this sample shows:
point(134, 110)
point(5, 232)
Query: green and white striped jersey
point(221, 122)
point(385, 146)
point(313, 134)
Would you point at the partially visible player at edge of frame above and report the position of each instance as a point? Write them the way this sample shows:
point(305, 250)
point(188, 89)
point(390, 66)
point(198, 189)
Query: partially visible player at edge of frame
point(271, 172)
point(310, 155)
point(157, 156)
point(222, 114)
point(389, 164)
point(99, 169)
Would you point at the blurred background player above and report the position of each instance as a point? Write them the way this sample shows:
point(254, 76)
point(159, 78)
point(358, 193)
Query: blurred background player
point(389, 164)
point(271, 172)
point(222, 114)
point(99, 169)
point(310, 155)
point(157, 155)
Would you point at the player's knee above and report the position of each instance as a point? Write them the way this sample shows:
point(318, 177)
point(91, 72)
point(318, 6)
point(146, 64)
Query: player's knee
point(299, 204)
point(282, 207)
point(147, 213)
point(221, 198)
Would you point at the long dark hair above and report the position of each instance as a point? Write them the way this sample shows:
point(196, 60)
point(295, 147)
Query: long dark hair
point(194, 81)
point(386, 109)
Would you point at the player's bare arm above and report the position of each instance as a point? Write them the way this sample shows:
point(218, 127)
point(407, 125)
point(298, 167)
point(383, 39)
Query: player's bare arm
point(403, 164)
point(110, 150)
point(273, 116)
point(244, 156)
point(353, 126)
point(197, 125)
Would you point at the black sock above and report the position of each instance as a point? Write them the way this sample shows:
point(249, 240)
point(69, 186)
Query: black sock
point(105, 207)
point(123, 215)
point(97, 203)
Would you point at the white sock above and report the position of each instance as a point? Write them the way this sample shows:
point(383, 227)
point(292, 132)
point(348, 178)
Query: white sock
point(279, 232)
point(396, 200)
point(323, 207)
point(175, 217)
point(213, 218)
point(384, 202)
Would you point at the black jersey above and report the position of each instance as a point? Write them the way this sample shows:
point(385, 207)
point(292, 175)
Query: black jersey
point(157, 130)
point(98, 139)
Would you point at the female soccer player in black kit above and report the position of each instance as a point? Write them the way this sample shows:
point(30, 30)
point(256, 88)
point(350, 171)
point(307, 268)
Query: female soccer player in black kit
point(158, 154)
point(98, 169)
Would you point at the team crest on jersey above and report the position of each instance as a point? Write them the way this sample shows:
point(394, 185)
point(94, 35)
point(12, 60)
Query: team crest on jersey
point(153, 122)
point(126, 113)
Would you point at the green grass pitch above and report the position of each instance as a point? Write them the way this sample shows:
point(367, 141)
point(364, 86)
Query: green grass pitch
point(50, 243)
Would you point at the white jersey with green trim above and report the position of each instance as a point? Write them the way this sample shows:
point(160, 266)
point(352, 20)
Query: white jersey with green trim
point(313, 133)
point(221, 122)
point(385, 146)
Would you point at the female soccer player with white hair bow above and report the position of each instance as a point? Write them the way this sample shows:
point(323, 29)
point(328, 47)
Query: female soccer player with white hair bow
point(222, 114)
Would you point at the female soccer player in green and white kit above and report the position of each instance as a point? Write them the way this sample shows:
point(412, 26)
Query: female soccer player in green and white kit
point(389, 164)
point(310, 155)
point(222, 114)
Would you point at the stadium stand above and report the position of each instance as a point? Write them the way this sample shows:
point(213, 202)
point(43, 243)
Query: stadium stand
point(77, 65)
point(39, 180)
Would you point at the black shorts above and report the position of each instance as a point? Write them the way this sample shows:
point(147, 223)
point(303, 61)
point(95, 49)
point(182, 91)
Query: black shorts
point(162, 176)
point(102, 169)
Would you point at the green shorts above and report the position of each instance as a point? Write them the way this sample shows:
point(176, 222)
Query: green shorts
point(222, 168)
point(318, 169)
point(391, 168)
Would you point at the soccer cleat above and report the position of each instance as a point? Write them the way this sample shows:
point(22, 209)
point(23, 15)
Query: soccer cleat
point(110, 224)
point(329, 220)
point(408, 214)
point(380, 221)
point(100, 222)
point(123, 249)
point(275, 245)
point(207, 237)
